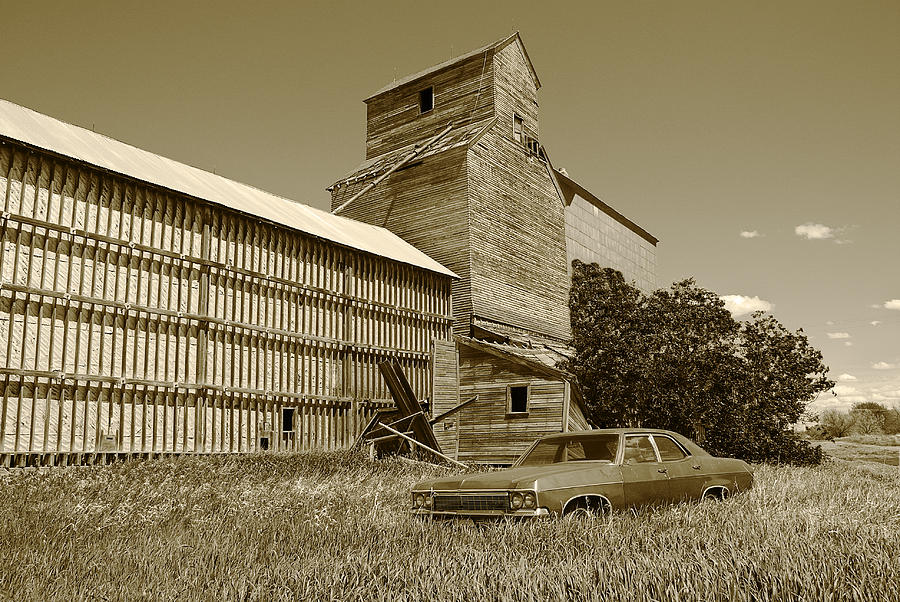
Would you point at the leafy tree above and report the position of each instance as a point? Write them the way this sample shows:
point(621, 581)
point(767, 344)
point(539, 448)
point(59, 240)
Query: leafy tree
point(837, 423)
point(868, 417)
point(677, 359)
point(891, 424)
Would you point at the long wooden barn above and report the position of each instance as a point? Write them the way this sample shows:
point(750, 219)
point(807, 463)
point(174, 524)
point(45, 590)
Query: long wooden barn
point(149, 307)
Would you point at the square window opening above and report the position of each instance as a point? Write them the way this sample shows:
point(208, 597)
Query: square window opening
point(426, 100)
point(518, 399)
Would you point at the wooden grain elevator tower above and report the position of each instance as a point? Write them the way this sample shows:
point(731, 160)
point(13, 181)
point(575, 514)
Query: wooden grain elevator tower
point(454, 166)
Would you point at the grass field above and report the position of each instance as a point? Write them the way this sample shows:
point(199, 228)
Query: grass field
point(884, 449)
point(334, 527)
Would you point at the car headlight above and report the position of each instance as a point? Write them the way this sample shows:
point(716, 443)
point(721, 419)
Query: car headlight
point(516, 500)
point(419, 500)
point(530, 501)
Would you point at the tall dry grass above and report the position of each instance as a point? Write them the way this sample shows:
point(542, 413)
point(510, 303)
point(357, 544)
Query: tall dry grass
point(334, 527)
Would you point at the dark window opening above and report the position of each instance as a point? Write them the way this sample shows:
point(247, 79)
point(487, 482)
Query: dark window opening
point(263, 443)
point(287, 420)
point(518, 399)
point(426, 100)
point(518, 134)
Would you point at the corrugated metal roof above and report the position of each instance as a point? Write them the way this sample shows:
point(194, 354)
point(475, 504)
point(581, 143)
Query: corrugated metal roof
point(38, 130)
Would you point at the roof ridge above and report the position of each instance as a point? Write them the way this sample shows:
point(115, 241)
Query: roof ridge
point(452, 61)
point(32, 128)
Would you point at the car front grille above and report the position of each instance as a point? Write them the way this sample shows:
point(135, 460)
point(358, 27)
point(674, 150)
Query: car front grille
point(471, 503)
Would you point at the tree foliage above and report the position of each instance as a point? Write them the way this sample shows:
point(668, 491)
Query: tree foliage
point(868, 417)
point(836, 423)
point(677, 359)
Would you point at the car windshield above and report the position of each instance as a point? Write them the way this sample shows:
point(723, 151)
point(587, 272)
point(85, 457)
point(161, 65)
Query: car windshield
point(597, 448)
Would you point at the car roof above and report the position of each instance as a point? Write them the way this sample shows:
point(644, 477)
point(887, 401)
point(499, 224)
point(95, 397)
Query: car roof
point(692, 447)
point(613, 431)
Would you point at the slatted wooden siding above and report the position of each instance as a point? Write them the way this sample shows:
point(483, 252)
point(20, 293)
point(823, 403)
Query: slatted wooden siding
point(426, 205)
point(487, 434)
point(133, 319)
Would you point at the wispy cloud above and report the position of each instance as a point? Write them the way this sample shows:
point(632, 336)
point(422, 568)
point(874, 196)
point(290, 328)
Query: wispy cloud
point(750, 234)
point(847, 394)
point(812, 231)
point(740, 305)
point(838, 335)
point(875, 322)
point(848, 343)
point(882, 366)
point(846, 377)
point(892, 304)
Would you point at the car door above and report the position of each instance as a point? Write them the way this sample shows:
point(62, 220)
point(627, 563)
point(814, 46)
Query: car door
point(684, 471)
point(644, 480)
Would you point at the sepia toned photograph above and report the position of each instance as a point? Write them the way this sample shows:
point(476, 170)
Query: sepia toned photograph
point(468, 301)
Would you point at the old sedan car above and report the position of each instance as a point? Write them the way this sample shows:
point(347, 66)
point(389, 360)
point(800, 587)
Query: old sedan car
point(587, 472)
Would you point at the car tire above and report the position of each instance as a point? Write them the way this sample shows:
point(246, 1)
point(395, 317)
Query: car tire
point(586, 509)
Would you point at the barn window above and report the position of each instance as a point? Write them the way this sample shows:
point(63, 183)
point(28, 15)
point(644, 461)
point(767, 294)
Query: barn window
point(518, 399)
point(426, 100)
point(518, 134)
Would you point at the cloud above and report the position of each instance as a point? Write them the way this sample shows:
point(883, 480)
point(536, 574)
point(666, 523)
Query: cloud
point(892, 304)
point(740, 305)
point(846, 395)
point(875, 322)
point(846, 377)
point(838, 335)
point(882, 366)
point(841, 390)
point(812, 231)
point(848, 344)
point(750, 234)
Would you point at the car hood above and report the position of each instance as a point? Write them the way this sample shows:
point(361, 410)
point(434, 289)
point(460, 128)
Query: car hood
point(525, 477)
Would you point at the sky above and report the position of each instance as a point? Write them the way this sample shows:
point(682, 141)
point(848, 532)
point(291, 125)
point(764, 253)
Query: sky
point(759, 141)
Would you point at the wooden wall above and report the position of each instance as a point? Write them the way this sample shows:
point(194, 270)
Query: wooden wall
point(463, 93)
point(133, 319)
point(445, 364)
point(426, 204)
point(519, 268)
point(487, 434)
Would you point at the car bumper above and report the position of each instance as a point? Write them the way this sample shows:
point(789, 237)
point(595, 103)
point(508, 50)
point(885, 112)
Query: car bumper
point(476, 514)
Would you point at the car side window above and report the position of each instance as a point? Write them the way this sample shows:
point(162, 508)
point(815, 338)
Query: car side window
point(669, 451)
point(574, 451)
point(639, 449)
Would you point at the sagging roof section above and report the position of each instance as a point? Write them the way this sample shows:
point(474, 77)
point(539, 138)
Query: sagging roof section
point(372, 168)
point(516, 37)
point(35, 129)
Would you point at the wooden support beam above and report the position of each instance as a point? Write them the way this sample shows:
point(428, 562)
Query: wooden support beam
point(453, 410)
point(423, 446)
point(412, 155)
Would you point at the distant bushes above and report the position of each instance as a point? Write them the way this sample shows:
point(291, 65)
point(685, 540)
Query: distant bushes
point(866, 418)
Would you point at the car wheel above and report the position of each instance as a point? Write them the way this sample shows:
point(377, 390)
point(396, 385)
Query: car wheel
point(718, 494)
point(588, 508)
